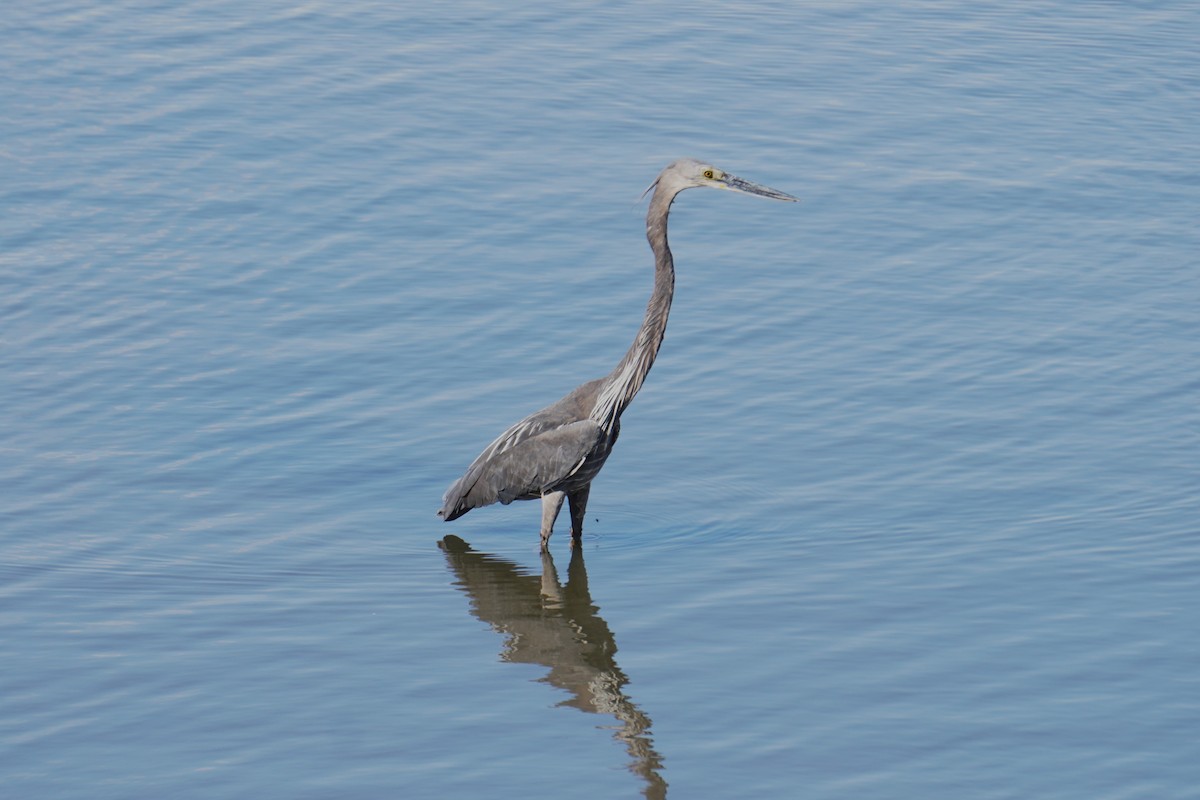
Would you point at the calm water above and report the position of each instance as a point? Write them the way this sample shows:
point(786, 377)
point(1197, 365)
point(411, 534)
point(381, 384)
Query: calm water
point(907, 509)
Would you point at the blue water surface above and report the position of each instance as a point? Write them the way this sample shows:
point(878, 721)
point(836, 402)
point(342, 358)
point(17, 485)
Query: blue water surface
point(908, 507)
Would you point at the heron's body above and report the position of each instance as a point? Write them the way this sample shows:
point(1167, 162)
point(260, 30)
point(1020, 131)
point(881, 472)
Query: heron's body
point(556, 449)
point(555, 453)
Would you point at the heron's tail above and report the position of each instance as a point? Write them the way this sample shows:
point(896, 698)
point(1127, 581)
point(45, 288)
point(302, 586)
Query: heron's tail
point(447, 513)
point(458, 498)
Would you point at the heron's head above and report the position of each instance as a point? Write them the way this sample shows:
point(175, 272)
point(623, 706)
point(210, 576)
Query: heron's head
point(688, 173)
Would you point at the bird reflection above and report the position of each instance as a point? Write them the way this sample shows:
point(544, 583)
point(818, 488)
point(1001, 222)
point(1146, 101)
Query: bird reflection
point(556, 626)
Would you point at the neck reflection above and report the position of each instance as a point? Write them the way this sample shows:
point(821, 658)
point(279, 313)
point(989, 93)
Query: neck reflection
point(557, 626)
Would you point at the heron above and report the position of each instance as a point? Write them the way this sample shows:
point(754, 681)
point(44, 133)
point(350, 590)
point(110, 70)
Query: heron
point(554, 454)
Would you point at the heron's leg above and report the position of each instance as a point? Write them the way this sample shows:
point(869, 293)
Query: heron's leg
point(551, 504)
point(578, 500)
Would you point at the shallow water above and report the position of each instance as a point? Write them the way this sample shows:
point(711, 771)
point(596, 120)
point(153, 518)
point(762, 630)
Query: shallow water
point(907, 507)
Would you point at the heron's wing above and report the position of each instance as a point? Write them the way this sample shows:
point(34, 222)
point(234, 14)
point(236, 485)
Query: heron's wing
point(547, 419)
point(572, 408)
point(526, 460)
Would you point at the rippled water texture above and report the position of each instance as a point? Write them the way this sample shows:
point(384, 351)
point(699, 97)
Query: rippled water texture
point(907, 508)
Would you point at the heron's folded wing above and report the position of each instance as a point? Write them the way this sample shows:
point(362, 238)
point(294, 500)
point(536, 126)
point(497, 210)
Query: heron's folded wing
point(524, 469)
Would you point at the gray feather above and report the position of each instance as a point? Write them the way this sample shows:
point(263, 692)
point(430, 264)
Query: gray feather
point(531, 457)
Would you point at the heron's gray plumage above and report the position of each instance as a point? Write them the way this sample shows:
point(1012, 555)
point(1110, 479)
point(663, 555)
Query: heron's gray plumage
point(556, 452)
point(536, 456)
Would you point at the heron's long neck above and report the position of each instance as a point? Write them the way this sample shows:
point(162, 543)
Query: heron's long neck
point(624, 382)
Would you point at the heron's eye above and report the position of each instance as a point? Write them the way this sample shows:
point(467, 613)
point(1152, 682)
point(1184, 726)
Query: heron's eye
point(708, 173)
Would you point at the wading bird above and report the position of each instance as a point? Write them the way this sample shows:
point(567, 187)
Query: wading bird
point(555, 453)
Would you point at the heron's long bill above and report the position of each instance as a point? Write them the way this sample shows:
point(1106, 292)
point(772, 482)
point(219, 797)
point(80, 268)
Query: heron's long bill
point(750, 187)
